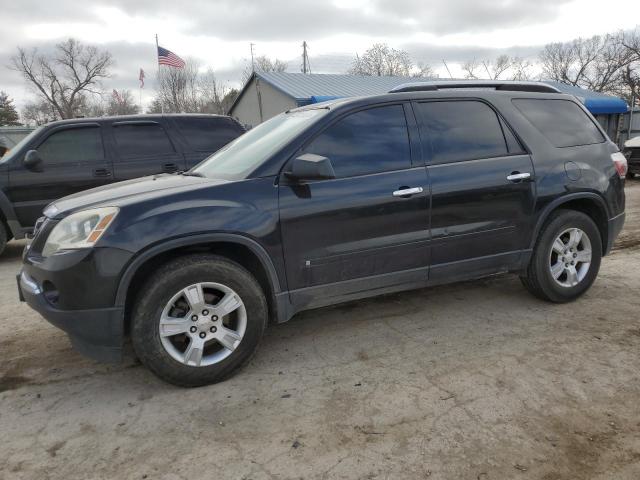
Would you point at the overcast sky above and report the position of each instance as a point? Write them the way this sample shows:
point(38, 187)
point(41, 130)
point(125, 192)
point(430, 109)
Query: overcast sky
point(218, 32)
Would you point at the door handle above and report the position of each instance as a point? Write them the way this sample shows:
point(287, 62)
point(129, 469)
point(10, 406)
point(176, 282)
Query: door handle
point(101, 172)
point(407, 192)
point(517, 176)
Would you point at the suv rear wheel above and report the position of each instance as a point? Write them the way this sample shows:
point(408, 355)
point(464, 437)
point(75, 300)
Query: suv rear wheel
point(197, 319)
point(566, 258)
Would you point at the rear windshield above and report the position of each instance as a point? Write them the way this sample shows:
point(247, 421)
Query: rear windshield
point(562, 122)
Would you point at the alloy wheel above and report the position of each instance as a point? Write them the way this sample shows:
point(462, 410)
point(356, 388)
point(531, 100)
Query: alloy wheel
point(203, 324)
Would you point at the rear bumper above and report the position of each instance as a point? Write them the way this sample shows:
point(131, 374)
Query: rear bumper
point(96, 333)
point(615, 226)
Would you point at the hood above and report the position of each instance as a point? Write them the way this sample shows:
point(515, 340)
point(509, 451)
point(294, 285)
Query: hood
point(129, 191)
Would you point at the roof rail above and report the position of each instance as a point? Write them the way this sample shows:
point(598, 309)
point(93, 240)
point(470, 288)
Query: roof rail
point(504, 85)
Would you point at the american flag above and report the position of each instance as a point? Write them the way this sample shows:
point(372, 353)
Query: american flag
point(167, 57)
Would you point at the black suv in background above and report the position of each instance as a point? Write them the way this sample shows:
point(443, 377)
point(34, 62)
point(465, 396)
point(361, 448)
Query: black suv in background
point(331, 202)
point(68, 156)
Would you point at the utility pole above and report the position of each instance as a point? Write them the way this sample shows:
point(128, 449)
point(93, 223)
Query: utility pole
point(253, 65)
point(306, 68)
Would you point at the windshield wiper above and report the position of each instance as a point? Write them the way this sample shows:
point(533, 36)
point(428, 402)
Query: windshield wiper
point(192, 174)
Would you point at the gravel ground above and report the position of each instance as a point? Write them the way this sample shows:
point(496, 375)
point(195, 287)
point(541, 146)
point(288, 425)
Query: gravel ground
point(476, 380)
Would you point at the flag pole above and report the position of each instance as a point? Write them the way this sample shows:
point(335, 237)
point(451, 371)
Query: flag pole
point(161, 102)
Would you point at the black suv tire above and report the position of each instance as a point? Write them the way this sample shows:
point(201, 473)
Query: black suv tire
point(159, 290)
point(539, 279)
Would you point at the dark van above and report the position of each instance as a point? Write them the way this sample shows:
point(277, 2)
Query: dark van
point(68, 156)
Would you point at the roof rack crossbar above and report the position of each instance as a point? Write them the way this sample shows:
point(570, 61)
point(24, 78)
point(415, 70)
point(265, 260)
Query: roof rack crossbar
point(511, 86)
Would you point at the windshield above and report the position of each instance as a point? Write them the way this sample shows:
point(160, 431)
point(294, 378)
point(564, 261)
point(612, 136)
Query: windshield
point(247, 152)
point(16, 148)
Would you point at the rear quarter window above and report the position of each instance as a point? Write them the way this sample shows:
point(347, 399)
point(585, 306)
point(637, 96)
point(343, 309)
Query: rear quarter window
point(208, 134)
point(562, 122)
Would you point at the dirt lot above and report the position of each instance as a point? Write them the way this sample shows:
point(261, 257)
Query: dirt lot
point(472, 381)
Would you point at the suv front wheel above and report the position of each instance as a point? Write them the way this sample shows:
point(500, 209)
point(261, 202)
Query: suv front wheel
point(566, 258)
point(197, 319)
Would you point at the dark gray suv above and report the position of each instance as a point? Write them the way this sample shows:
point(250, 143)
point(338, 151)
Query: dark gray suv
point(430, 184)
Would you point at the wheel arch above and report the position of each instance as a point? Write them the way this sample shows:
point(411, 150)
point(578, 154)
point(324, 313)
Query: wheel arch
point(243, 250)
point(591, 204)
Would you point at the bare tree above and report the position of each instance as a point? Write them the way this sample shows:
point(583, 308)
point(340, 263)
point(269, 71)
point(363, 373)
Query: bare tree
point(263, 64)
point(66, 77)
point(597, 63)
point(178, 88)
point(122, 102)
point(502, 67)
point(38, 113)
point(382, 61)
point(188, 90)
point(631, 72)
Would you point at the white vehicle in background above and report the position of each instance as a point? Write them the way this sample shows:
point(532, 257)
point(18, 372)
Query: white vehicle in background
point(632, 152)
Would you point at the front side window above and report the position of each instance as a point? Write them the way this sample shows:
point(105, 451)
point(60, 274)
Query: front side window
point(370, 141)
point(75, 145)
point(133, 140)
point(462, 130)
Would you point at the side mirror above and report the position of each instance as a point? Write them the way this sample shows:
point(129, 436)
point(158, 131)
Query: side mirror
point(33, 161)
point(311, 167)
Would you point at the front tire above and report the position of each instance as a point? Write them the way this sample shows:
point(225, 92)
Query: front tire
point(198, 319)
point(566, 258)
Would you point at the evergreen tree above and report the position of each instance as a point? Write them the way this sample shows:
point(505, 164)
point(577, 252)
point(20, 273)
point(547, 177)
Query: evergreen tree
point(8, 113)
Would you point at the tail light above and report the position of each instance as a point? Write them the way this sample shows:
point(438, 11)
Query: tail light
point(620, 162)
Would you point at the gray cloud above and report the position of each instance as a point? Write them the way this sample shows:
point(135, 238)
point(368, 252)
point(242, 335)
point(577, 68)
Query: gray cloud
point(267, 21)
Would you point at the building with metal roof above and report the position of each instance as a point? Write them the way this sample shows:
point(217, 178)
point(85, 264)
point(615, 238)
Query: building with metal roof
point(265, 95)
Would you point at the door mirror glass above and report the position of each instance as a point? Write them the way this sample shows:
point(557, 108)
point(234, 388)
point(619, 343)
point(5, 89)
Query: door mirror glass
point(33, 161)
point(311, 167)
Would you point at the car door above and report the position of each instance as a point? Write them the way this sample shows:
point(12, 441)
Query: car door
point(143, 148)
point(73, 159)
point(359, 231)
point(205, 135)
point(482, 189)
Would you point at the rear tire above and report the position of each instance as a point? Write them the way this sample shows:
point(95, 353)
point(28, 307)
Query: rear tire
point(188, 352)
point(559, 271)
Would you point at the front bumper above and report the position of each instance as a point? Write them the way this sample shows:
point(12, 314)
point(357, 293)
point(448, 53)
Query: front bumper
point(615, 226)
point(96, 333)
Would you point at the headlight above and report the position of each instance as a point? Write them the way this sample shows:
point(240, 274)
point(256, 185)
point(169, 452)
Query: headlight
point(80, 230)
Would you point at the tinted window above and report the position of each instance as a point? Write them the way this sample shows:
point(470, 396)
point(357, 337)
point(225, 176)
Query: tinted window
point(563, 122)
point(370, 141)
point(462, 130)
point(73, 146)
point(208, 134)
point(144, 139)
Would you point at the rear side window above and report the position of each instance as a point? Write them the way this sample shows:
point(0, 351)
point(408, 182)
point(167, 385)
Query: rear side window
point(208, 134)
point(462, 130)
point(370, 141)
point(134, 140)
point(562, 122)
point(74, 145)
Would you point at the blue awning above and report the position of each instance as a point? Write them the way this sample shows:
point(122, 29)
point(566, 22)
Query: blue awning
point(597, 103)
point(322, 98)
